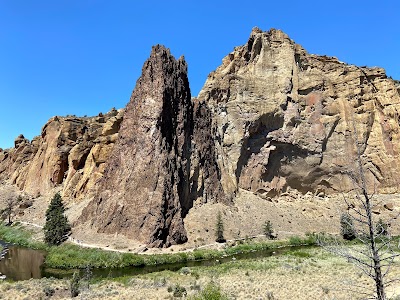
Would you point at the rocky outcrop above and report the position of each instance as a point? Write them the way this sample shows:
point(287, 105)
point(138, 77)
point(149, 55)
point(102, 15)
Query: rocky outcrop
point(283, 119)
point(70, 152)
point(145, 190)
point(271, 119)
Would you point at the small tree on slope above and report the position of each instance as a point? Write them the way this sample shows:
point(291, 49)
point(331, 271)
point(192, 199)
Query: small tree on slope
point(347, 229)
point(219, 229)
point(57, 228)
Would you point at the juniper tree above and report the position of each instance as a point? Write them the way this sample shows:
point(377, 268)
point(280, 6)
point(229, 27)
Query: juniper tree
point(219, 229)
point(57, 228)
point(347, 229)
point(268, 230)
point(74, 284)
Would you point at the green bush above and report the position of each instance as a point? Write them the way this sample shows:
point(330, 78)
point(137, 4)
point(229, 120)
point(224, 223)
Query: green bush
point(48, 291)
point(179, 291)
point(296, 241)
point(210, 292)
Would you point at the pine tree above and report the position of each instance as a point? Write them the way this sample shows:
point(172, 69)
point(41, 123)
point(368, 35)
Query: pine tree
point(57, 228)
point(219, 229)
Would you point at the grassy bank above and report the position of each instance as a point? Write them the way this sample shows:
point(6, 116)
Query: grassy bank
point(69, 256)
point(17, 235)
point(307, 273)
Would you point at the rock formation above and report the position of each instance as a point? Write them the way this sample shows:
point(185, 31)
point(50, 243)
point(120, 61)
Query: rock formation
point(145, 190)
point(70, 152)
point(271, 119)
point(283, 119)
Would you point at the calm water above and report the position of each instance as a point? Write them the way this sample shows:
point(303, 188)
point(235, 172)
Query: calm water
point(21, 263)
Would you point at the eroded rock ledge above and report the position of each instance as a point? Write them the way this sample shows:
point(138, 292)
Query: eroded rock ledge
point(71, 152)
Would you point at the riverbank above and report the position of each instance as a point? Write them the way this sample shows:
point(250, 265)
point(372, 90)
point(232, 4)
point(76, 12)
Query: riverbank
point(70, 256)
point(306, 273)
point(309, 273)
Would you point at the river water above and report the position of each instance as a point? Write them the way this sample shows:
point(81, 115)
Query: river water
point(21, 263)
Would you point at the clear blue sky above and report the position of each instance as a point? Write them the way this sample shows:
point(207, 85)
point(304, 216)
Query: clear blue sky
point(83, 57)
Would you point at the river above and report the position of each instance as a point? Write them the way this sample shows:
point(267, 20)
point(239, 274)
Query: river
point(21, 263)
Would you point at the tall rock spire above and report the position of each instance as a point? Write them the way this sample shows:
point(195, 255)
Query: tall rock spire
point(144, 193)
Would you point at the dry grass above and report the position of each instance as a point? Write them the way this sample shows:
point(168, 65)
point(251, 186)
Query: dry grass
point(300, 275)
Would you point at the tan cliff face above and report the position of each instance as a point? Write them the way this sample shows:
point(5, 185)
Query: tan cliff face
point(271, 119)
point(283, 119)
point(71, 152)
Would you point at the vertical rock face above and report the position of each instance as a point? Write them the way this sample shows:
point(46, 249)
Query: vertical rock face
point(205, 179)
point(70, 152)
point(283, 119)
point(145, 192)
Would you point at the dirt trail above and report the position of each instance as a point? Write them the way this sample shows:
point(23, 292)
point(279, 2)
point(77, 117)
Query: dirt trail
point(142, 250)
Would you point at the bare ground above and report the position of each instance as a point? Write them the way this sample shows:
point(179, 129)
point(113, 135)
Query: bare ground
point(291, 214)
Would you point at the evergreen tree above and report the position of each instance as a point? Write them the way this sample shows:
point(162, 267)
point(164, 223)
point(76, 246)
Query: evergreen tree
point(347, 229)
point(57, 228)
point(268, 230)
point(219, 229)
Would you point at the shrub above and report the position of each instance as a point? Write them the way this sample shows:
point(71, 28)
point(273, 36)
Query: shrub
point(74, 285)
point(219, 229)
point(87, 276)
point(48, 291)
point(381, 228)
point(210, 292)
point(179, 291)
point(347, 229)
point(296, 241)
point(57, 228)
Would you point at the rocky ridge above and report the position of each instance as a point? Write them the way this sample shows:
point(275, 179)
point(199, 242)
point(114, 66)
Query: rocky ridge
point(70, 153)
point(271, 120)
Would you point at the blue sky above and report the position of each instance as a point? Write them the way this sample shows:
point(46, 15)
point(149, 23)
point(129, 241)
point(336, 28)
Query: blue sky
point(83, 57)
